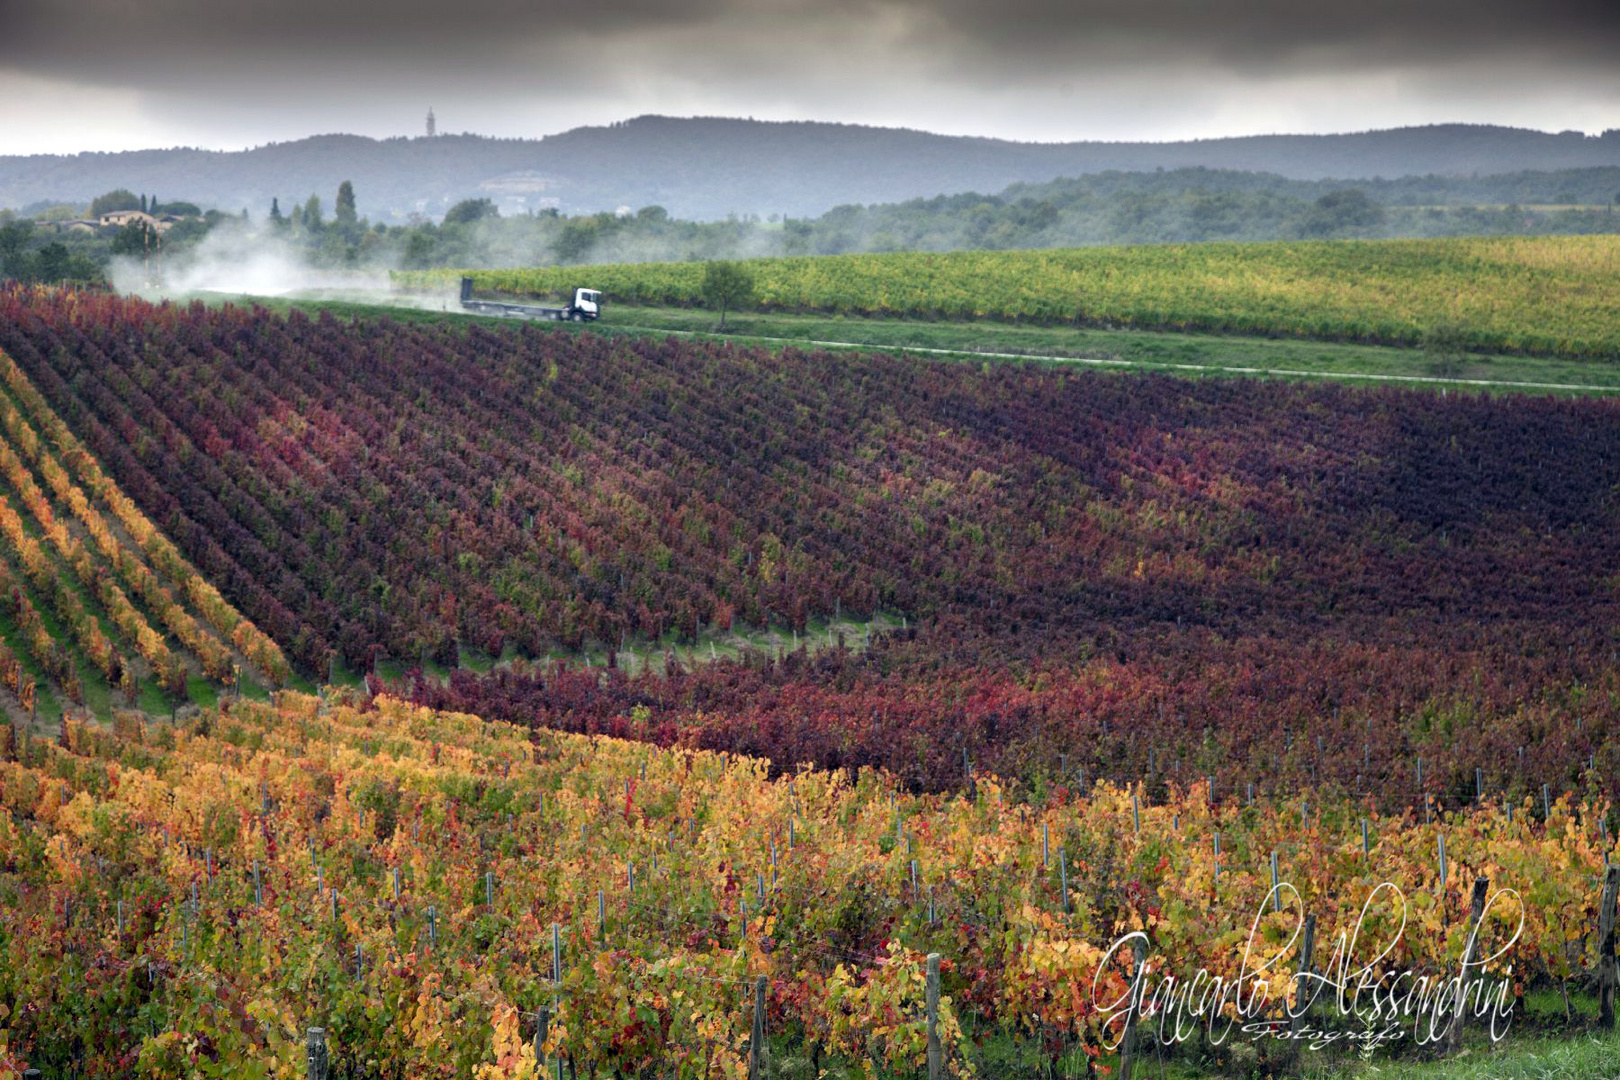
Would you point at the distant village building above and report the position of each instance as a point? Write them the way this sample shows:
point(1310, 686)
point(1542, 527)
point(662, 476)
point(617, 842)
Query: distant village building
point(118, 219)
point(114, 220)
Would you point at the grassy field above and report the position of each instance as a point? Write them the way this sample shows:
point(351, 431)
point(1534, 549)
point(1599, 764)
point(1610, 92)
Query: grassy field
point(1550, 296)
point(1186, 354)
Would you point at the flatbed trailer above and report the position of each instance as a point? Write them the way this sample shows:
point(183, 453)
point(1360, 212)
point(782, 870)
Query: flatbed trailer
point(587, 306)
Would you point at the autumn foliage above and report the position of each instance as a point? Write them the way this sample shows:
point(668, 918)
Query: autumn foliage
point(184, 898)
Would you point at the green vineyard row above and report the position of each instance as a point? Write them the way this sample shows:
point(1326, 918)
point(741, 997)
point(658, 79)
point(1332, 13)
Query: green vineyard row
point(1534, 295)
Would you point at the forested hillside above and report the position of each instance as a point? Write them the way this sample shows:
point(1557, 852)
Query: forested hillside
point(706, 168)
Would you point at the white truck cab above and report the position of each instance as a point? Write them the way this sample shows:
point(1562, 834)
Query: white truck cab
point(588, 303)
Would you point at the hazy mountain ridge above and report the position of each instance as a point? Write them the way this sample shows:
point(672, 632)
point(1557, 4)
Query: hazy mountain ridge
point(710, 167)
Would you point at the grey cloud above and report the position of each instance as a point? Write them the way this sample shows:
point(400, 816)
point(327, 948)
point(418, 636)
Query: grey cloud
point(128, 37)
point(1046, 69)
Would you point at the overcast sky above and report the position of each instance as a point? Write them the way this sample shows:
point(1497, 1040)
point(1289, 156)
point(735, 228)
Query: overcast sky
point(126, 74)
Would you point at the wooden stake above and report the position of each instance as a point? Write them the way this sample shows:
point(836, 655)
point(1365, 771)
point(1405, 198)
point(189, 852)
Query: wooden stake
point(1307, 947)
point(756, 1041)
point(1126, 1048)
point(556, 954)
point(1606, 959)
point(936, 1056)
point(318, 1063)
point(1476, 912)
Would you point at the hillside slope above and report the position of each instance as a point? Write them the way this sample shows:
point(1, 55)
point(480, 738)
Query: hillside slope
point(419, 885)
point(710, 167)
point(1108, 567)
point(97, 607)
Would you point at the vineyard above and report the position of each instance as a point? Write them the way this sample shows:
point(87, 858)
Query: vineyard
point(97, 605)
point(1497, 291)
point(443, 896)
point(1154, 579)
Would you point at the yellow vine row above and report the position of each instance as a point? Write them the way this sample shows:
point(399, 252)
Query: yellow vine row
point(216, 610)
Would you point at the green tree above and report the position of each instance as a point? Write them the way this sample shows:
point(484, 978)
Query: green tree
point(54, 263)
point(120, 199)
point(1445, 345)
point(727, 285)
point(136, 238)
point(468, 211)
point(344, 212)
point(312, 213)
point(275, 212)
point(15, 261)
point(1343, 211)
point(419, 248)
point(575, 239)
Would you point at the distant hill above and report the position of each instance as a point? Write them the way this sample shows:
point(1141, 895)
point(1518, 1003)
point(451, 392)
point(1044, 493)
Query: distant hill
point(707, 168)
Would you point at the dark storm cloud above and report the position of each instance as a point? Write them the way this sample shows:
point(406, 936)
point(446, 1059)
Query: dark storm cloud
point(131, 40)
point(232, 73)
point(1263, 34)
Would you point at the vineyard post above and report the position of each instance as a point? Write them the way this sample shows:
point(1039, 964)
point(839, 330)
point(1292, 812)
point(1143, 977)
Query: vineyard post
point(1136, 815)
point(601, 915)
point(1046, 846)
point(1125, 1047)
point(433, 925)
point(756, 1041)
point(936, 1059)
point(1479, 784)
point(542, 1024)
point(31, 1074)
point(1365, 847)
point(316, 1055)
point(1606, 958)
point(1307, 947)
point(1546, 804)
point(1063, 877)
point(556, 981)
point(1217, 860)
point(1276, 895)
point(396, 884)
point(1476, 914)
point(258, 890)
point(489, 889)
